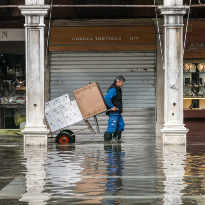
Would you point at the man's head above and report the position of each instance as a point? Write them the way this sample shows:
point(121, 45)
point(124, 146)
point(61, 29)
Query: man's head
point(119, 80)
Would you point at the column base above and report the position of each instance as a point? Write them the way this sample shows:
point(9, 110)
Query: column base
point(174, 134)
point(35, 135)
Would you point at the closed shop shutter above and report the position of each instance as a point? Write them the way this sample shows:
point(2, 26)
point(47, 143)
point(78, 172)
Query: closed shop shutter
point(72, 70)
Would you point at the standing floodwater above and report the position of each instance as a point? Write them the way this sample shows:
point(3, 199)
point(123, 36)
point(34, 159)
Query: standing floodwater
point(134, 171)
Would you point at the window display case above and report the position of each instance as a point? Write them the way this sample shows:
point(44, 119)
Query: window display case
point(194, 86)
point(12, 91)
point(194, 98)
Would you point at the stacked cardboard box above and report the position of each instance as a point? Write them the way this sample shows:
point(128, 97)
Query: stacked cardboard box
point(90, 100)
point(61, 112)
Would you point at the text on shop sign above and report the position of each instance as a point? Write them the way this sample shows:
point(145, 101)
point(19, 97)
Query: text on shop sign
point(102, 38)
point(3, 34)
point(194, 47)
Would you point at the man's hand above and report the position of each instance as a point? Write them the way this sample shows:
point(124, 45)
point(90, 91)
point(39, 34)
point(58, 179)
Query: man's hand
point(113, 109)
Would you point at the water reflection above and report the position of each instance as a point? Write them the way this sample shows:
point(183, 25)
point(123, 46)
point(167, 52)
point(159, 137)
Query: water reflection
point(35, 175)
point(63, 168)
point(115, 160)
point(113, 173)
point(92, 185)
point(194, 175)
point(173, 160)
point(85, 173)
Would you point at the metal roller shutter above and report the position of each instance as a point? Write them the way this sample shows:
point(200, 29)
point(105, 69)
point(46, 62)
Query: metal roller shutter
point(72, 70)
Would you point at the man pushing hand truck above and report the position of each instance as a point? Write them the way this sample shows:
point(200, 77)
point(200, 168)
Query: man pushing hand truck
point(113, 99)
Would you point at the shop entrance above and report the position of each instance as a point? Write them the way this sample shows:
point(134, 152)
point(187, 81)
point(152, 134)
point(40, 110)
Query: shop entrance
point(72, 70)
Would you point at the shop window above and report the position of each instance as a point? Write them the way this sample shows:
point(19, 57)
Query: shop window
point(194, 86)
point(12, 91)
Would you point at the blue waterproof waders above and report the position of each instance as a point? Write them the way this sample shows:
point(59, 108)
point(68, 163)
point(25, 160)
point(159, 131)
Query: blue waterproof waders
point(115, 122)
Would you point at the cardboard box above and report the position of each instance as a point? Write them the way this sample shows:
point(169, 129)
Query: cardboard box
point(64, 99)
point(57, 112)
point(54, 103)
point(90, 100)
point(66, 109)
point(50, 116)
point(70, 119)
point(62, 122)
point(53, 126)
point(73, 106)
point(77, 116)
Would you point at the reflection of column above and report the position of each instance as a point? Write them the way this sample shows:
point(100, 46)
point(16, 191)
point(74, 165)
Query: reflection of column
point(35, 176)
point(173, 158)
point(64, 171)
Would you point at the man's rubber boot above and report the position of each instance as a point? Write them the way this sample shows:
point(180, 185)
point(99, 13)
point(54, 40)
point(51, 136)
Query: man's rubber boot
point(107, 137)
point(117, 135)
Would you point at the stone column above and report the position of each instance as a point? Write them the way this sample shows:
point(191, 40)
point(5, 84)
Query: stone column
point(160, 81)
point(159, 91)
point(173, 131)
point(35, 132)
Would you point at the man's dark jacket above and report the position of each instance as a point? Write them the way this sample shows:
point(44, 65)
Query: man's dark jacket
point(117, 100)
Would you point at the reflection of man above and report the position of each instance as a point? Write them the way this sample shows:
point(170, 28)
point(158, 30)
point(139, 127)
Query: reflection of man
point(113, 99)
point(115, 161)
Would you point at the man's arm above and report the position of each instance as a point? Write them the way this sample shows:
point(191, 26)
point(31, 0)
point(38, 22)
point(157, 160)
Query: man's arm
point(108, 98)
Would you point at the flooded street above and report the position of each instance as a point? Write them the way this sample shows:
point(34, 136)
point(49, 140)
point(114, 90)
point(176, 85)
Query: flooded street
point(134, 171)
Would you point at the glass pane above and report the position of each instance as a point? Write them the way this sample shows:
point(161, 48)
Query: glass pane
point(12, 91)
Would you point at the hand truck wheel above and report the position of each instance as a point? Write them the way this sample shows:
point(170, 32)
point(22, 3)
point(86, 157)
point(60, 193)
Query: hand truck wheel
point(64, 138)
point(69, 131)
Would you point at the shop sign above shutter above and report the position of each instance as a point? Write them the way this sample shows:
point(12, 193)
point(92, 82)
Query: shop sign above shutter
point(102, 38)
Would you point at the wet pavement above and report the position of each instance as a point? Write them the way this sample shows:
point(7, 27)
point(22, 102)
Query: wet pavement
point(135, 171)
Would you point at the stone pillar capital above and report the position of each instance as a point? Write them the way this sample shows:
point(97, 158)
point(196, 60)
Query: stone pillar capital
point(34, 15)
point(34, 10)
point(173, 10)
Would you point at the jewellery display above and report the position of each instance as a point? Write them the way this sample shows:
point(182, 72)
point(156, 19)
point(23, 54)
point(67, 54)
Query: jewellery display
point(195, 104)
point(193, 82)
point(194, 90)
point(200, 93)
point(192, 68)
point(194, 85)
point(203, 83)
point(186, 67)
point(189, 93)
point(200, 67)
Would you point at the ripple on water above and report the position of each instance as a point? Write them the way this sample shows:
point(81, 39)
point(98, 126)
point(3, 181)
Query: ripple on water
point(112, 173)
